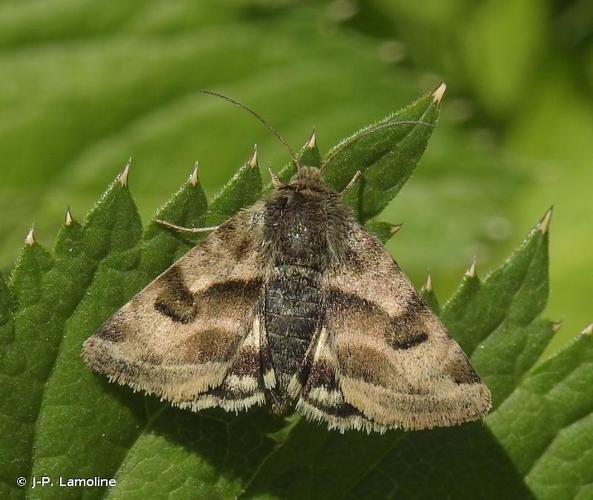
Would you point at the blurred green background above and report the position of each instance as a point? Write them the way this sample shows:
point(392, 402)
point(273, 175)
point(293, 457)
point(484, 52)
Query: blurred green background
point(86, 84)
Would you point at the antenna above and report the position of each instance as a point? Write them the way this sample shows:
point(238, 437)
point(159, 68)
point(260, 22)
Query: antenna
point(261, 120)
point(368, 131)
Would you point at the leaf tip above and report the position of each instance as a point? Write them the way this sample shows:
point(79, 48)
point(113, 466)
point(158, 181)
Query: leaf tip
point(276, 182)
point(394, 229)
point(588, 330)
point(253, 160)
point(68, 219)
point(30, 238)
point(471, 270)
point(193, 177)
point(439, 92)
point(427, 287)
point(312, 142)
point(123, 176)
point(544, 223)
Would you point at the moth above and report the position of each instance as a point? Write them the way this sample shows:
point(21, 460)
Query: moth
point(292, 303)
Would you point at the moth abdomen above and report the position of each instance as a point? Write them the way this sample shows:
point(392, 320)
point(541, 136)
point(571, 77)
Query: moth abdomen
point(292, 311)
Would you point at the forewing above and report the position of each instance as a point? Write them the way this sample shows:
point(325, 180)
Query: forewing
point(391, 358)
point(194, 326)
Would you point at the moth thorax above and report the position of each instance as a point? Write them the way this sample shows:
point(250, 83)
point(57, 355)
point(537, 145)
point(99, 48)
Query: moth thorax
point(296, 230)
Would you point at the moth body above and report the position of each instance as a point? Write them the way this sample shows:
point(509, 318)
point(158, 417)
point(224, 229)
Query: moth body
point(296, 226)
point(292, 303)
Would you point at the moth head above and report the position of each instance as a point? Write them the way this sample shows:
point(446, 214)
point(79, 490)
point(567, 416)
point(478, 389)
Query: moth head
point(308, 179)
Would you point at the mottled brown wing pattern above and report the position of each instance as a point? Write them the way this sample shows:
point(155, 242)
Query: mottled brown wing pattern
point(192, 336)
point(383, 359)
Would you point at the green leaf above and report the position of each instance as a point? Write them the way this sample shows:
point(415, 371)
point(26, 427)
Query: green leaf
point(546, 425)
point(59, 419)
point(386, 154)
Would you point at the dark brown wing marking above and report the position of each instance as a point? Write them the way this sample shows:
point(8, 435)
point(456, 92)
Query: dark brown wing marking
point(175, 299)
